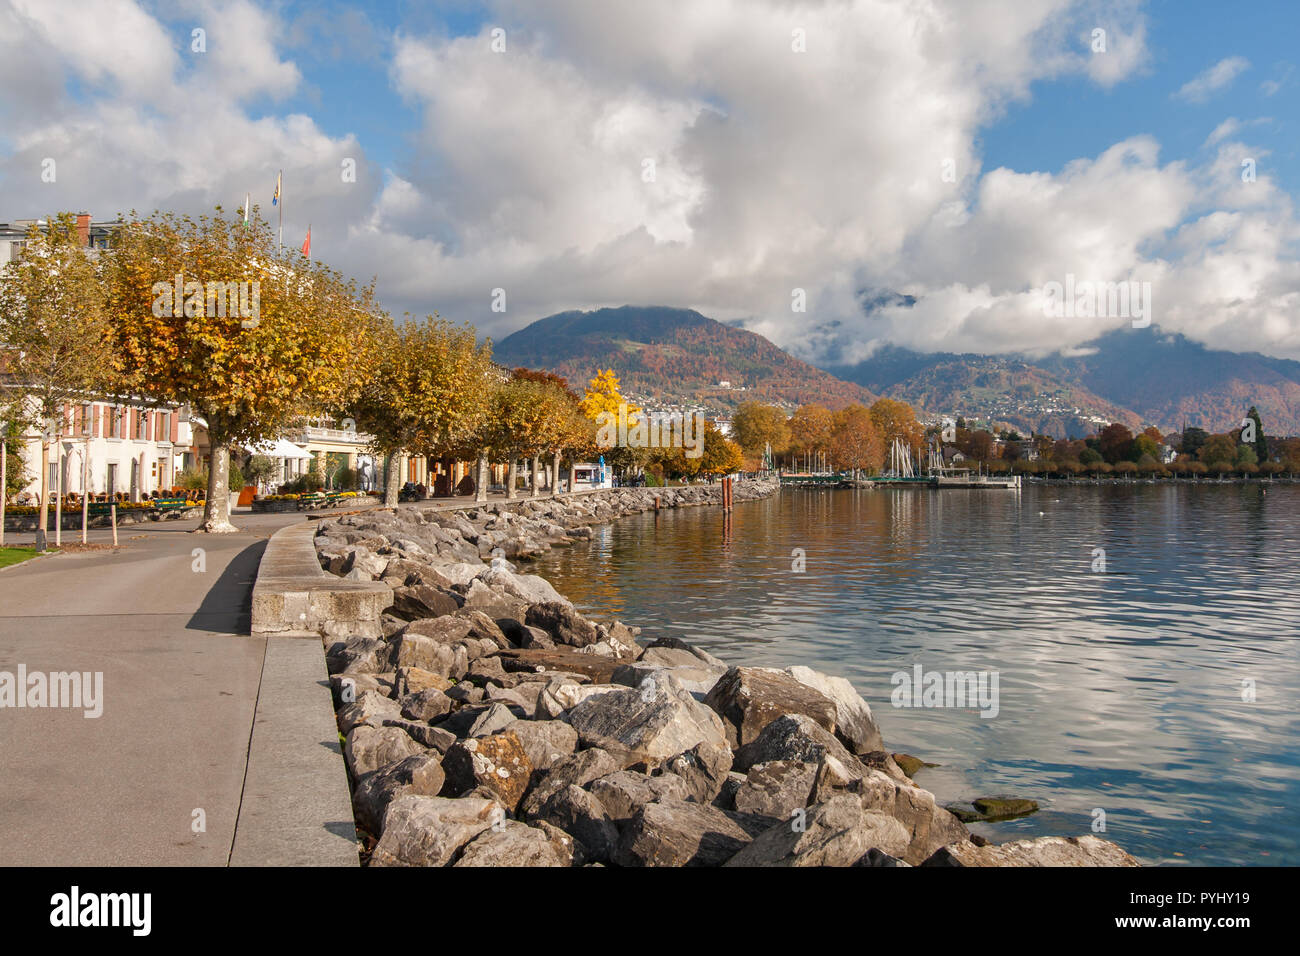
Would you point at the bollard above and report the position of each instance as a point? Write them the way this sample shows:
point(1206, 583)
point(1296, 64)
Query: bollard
point(112, 513)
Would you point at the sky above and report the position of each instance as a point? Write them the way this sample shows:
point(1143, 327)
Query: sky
point(837, 175)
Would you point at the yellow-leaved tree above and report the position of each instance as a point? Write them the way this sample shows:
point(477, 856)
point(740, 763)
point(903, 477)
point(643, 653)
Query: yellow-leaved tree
point(207, 313)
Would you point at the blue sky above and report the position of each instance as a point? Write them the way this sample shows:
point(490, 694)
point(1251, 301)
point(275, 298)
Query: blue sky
point(733, 156)
point(1066, 117)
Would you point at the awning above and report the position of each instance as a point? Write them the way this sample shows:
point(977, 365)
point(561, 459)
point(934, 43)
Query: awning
point(280, 448)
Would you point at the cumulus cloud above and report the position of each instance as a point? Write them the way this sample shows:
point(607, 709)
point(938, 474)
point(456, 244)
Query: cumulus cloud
point(1217, 77)
point(717, 156)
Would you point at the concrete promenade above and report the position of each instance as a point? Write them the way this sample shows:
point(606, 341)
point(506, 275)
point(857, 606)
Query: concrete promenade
point(160, 777)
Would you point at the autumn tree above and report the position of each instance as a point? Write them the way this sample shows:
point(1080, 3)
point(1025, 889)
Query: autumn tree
point(604, 403)
point(1218, 449)
point(755, 425)
point(897, 420)
point(428, 394)
point(856, 442)
point(207, 313)
point(810, 430)
point(1114, 442)
point(55, 334)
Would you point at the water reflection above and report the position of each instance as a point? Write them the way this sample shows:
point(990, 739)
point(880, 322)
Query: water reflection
point(1119, 690)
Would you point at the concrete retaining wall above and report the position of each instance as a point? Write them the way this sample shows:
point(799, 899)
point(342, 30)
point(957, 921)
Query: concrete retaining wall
point(295, 597)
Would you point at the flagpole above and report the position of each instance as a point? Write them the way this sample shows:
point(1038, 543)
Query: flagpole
point(279, 242)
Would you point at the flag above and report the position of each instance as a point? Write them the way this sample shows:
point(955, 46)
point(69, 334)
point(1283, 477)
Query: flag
point(248, 204)
point(275, 200)
point(306, 244)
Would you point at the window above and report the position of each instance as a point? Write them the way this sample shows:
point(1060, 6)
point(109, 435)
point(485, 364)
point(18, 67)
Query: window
point(141, 424)
point(115, 421)
point(87, 418)
point(164, 432)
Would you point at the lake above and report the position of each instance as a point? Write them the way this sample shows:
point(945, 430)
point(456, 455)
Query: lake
point(1126, 690)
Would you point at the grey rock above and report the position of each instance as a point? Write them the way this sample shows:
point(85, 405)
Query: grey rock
point(545, 741)
point(582, 816)
point(777, 789)
point(372, 748)
point(562, 622)
point(426, 705)
point(749, 698)
point(674, 832)
point(655, 722)
point(1044, 851)
point(428, 831)
point(511, 843)
point(835, 833)
point(853, 721)
point(420, 774)
point(622, 794)
point(371, 708)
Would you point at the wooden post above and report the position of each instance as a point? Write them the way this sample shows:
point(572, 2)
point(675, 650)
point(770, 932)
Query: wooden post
point(112, 513)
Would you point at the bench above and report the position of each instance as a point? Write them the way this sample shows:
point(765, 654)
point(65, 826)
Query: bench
point(172, 504)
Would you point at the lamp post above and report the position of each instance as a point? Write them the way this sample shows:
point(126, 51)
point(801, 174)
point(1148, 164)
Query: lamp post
point(4, 475)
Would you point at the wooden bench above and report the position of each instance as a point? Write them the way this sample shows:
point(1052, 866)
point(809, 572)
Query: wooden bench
point(172, 504)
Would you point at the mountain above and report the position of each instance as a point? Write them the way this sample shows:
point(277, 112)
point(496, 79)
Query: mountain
point(1004, 391)
point(1135, 376)
point(674, 356)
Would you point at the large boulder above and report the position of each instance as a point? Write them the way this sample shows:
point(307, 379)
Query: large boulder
point(358, 655)
point(371, 748)
point(703, 769)
point(853, 721)
point(654, 722)
point(418, 601)
point(420, 774)
point(563, 623)
point(622, 794)
point(776, 789)
point(497, 763)
point(835, 833)
point(528, 588)
point(675, 832)
point(545, 741)
point(750, 698)
point(1044, 851)
point(512, 844)
point(426, 705)
point(800, 738)
point(929, 825)
point(371, 708)
point(577, 769)
point(698, 679)
point(581, 815)
point(428, 831)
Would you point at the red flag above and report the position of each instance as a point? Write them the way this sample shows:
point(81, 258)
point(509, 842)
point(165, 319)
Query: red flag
point(306, 244)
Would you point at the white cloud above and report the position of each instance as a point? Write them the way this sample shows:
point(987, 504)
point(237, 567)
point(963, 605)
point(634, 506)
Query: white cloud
point(1200, 87)
point(773, 169)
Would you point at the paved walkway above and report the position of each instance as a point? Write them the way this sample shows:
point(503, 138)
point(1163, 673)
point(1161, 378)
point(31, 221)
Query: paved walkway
point(180, 683)
point(181, 678)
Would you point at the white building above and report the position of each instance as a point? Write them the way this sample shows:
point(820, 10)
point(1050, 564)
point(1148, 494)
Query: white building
point(109, 446)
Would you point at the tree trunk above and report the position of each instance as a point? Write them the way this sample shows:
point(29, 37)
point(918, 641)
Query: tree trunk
point(216, 510)
point(572, 487)
point(42, 535)
point(4, 478)
point(537, 474)
point(392, 479)
point(555, 476)
point(481, 478)
point(512, 474)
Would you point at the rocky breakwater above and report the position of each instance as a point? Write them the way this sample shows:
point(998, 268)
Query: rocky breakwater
point(494, 725)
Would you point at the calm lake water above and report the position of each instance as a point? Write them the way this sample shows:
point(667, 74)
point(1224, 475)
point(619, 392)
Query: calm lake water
point(1120, 690)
